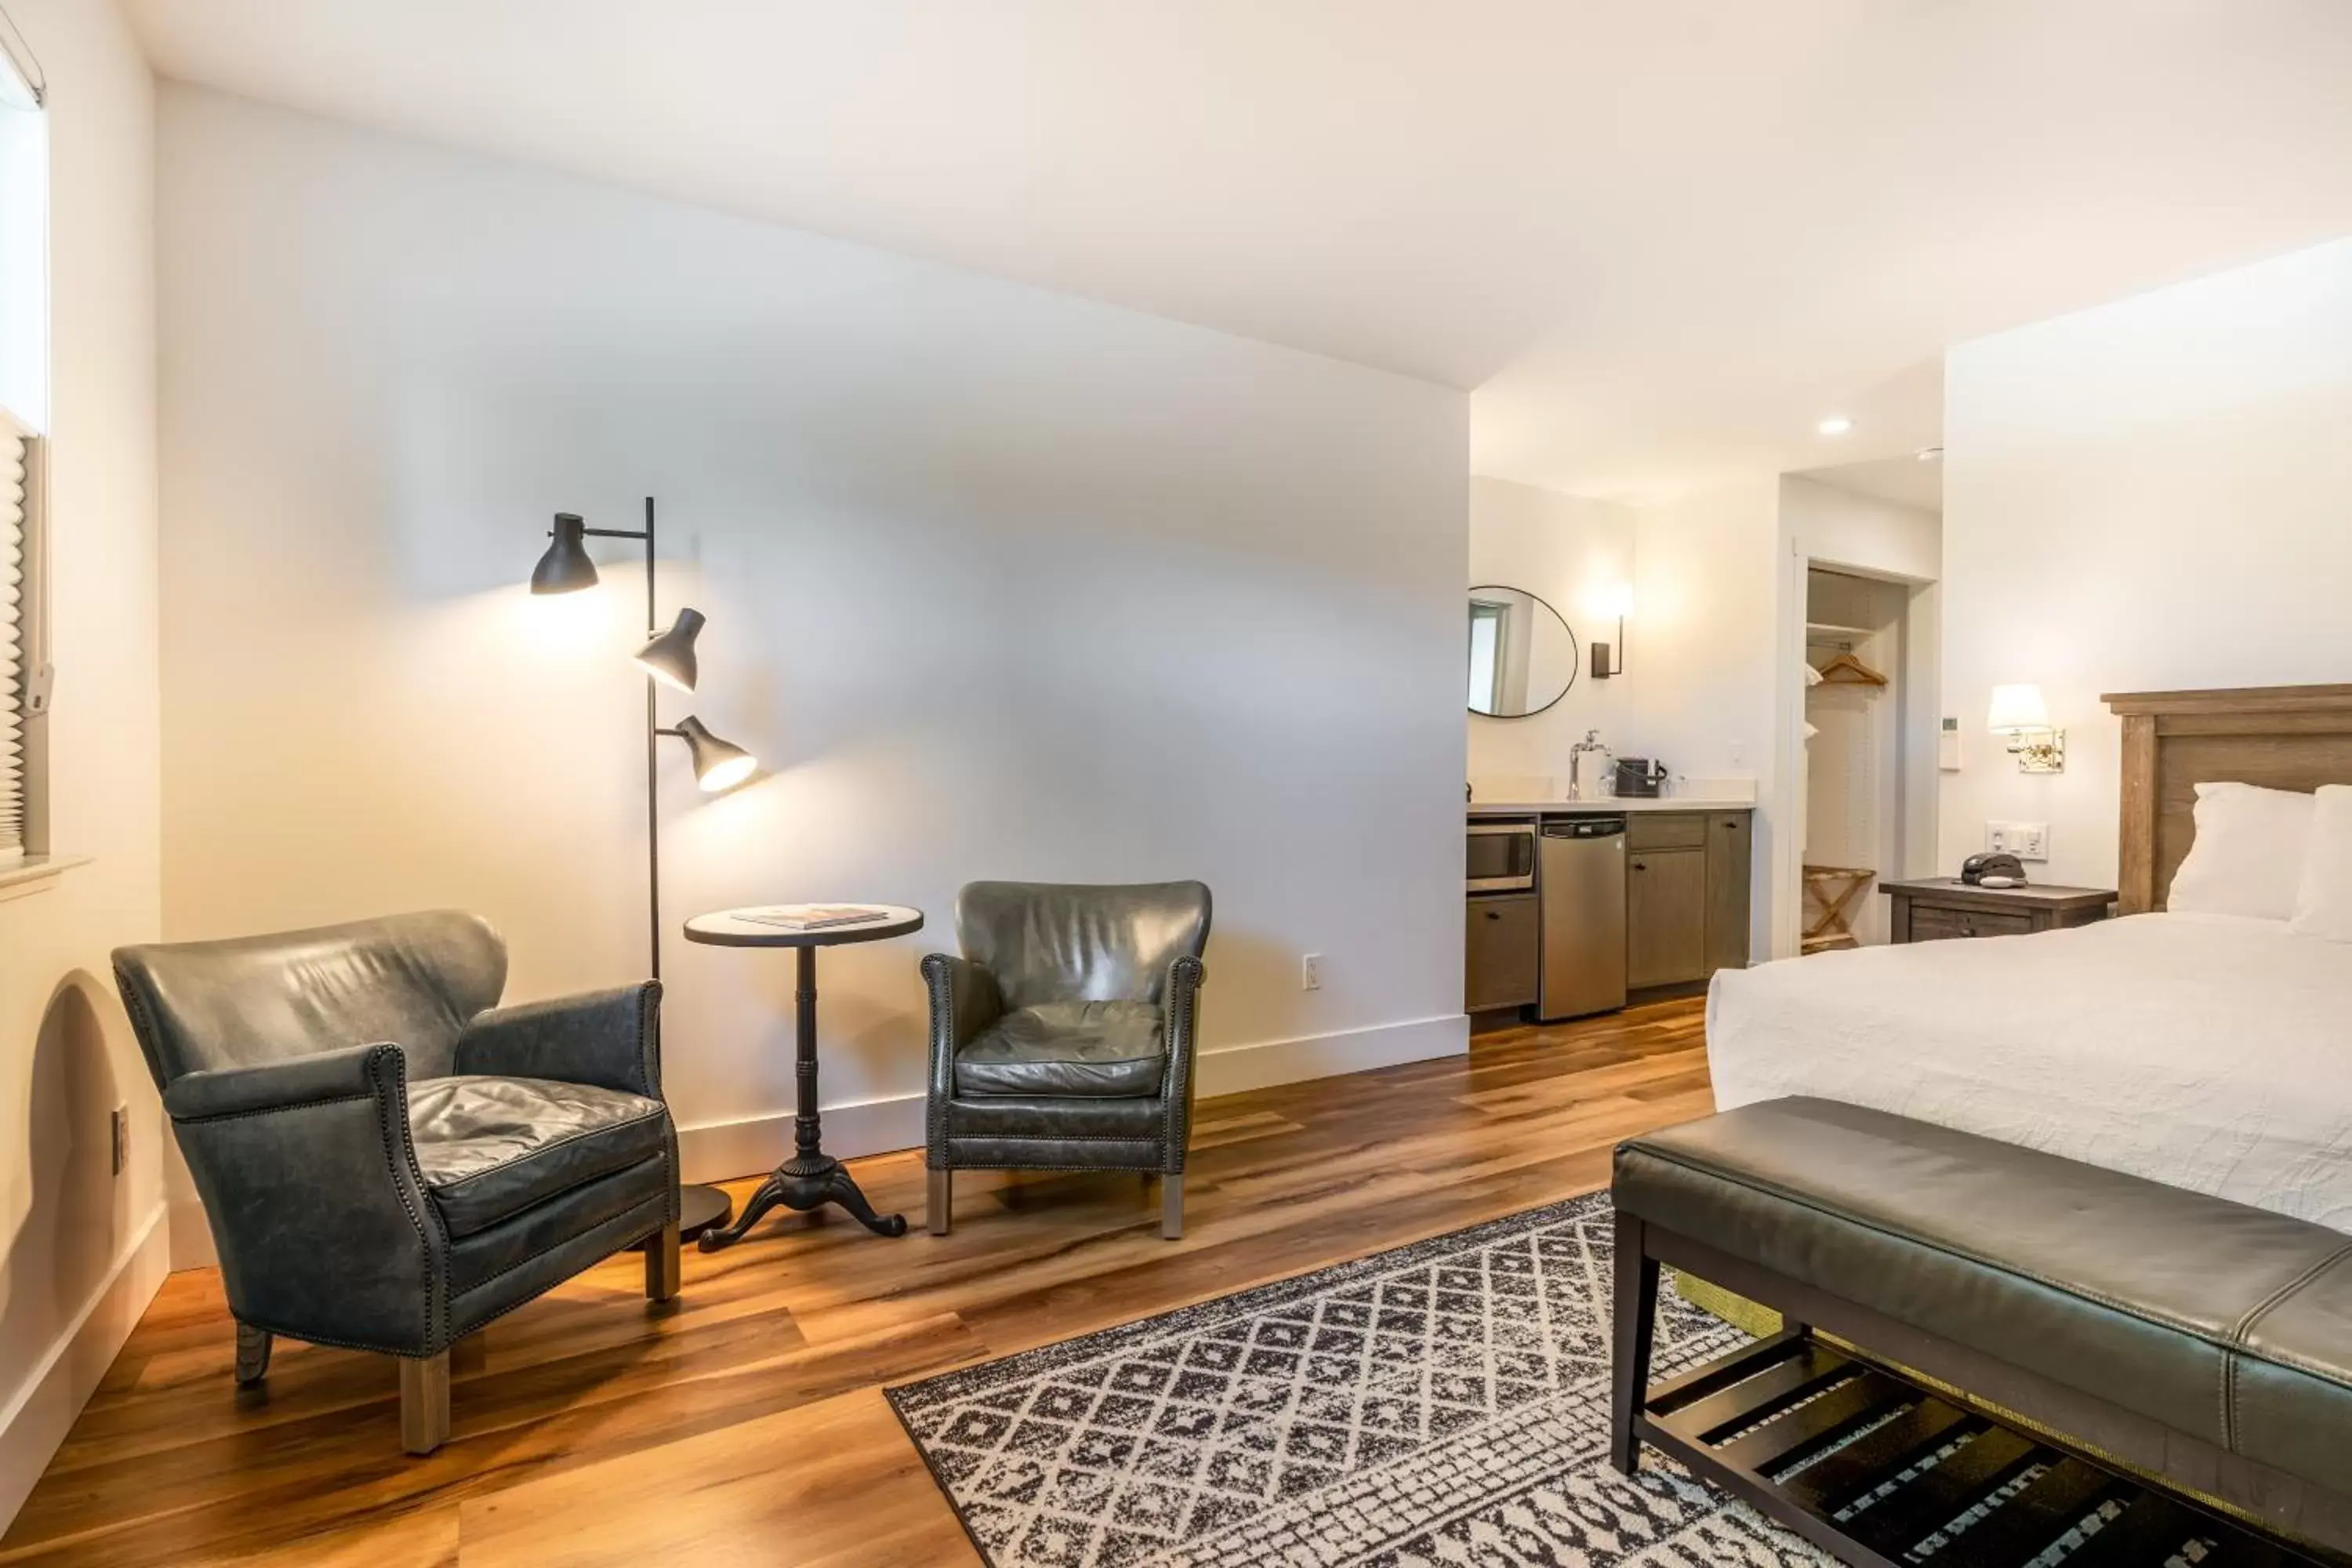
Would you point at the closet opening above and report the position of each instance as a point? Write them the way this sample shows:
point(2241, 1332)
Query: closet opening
point(1863, 706)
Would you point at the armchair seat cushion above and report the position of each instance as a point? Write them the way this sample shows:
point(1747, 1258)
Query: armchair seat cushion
point(1082, 1050)
point(493, 1147)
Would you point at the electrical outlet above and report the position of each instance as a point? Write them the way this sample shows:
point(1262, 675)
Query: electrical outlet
point(119, 1135)
point(2026, 840)
point(1310, 972)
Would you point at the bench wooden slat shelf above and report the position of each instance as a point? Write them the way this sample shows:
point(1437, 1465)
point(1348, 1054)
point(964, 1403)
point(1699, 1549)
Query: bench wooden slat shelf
point(2183, 1333)
point(1712, 1437)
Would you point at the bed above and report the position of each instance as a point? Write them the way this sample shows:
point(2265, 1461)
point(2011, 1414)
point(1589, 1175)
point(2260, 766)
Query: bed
point(2204, 1051)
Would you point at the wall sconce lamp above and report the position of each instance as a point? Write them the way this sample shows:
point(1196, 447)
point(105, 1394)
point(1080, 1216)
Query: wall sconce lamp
point(2019, 713)
point(1609, 658)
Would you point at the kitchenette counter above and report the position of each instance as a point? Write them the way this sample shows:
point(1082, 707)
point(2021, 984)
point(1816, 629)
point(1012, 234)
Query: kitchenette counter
point(1612, 804)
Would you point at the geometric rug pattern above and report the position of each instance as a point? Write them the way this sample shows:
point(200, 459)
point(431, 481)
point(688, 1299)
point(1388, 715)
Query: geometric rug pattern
point(1444, 1402)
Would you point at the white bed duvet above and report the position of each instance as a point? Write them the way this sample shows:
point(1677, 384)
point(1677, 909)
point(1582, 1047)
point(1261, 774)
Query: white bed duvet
point(2203, 1051)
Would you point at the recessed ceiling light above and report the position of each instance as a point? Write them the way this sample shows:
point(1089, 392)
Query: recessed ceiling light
point(1929, 454)
point(1835, 425)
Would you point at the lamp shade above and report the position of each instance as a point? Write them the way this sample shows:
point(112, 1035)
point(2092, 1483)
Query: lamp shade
point(669, 657)
point(565, 568)
point(718, 765)
point(1613, 603)
point(2017, 709)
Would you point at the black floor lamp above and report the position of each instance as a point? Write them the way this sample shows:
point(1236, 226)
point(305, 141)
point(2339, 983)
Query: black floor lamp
point(667, 659)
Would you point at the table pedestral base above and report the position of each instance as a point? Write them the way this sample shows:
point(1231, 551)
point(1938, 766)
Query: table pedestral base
point(802, 1183)
point(810, 1177)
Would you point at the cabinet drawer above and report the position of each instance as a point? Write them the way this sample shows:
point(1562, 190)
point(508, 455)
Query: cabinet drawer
point(1501, 953)
point(1935, 922)
point(1665, 830)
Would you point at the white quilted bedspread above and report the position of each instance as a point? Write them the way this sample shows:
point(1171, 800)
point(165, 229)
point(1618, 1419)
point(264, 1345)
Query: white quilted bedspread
point(2199, 1051)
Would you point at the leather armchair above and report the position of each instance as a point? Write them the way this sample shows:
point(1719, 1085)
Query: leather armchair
point(1062, 1038)
point(386, 1161)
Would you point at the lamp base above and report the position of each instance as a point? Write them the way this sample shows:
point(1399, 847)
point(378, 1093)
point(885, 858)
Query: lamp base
point(701, 1208)
point(2042, 751)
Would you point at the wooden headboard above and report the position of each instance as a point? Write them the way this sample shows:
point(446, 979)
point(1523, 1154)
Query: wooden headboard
point(2280, 737)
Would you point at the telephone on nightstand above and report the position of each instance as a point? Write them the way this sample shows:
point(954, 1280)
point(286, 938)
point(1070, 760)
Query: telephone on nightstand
point(1994, 869)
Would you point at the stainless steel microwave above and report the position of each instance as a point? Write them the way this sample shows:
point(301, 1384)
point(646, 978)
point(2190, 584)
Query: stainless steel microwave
point(1500, 857)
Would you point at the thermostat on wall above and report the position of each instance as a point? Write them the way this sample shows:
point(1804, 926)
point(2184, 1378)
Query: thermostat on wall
point(1947, 746)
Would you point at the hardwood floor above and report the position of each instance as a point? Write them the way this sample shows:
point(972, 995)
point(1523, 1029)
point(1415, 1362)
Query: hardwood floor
point(745, 1423)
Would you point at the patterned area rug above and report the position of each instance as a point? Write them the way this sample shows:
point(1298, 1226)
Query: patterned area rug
point(1445, 1403)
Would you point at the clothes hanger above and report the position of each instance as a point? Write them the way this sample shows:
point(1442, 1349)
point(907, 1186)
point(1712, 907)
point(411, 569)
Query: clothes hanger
point(1847, 670)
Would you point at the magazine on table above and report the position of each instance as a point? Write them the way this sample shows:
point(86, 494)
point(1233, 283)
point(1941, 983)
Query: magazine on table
point(813, 917)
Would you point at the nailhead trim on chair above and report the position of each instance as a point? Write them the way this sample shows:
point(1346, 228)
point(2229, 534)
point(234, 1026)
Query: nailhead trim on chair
point(388, 1066)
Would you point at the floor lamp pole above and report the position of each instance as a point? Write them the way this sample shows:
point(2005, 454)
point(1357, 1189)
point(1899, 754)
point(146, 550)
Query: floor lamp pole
point(567, 568)
point(653, 738)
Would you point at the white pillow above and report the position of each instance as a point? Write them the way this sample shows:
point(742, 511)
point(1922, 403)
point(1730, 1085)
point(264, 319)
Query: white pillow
point(2247, 859)
point(2322, 906)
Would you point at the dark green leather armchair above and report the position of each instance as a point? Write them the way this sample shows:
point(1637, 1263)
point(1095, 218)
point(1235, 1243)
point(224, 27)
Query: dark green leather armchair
point(386, 1160)
point(1062, 1038)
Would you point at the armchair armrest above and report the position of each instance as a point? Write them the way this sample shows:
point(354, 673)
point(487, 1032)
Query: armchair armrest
point(609, 1039)
point(964, 1001)
point(289, 1083)
point(310, 1185)
point(1180, 1023)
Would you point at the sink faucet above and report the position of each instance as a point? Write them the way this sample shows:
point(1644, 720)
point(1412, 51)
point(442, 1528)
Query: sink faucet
point(1587, 746)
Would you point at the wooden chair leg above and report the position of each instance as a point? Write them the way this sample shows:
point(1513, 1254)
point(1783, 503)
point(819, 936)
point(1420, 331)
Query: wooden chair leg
point(1637, 1316)
point(252, 1355)
point(939, 1200)
point(1171, 1205)
point(424, 1403)
point(661, 1264)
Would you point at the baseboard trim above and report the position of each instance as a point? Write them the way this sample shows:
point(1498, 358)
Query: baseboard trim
point(1271, 1062)
point(37, 1419)
point(719, 1152)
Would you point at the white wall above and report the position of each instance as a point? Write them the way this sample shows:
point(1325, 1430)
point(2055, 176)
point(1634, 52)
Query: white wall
point(1001, 583)
point(1707, 581)
point(1862, 533)
point(1565, 549)
point(2153, 495)
point(84, 1248)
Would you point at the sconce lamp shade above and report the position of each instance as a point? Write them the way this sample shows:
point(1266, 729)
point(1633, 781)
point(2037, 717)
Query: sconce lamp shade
point(1613, 603)
point(2017, 709)
point(718, 765)
point(565, 568)
point(669, 657)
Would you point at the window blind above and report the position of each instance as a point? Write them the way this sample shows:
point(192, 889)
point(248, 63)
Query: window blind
point(13, 461)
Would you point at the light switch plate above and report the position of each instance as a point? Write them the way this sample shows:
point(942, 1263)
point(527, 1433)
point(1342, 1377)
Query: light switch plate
point(2026, 840)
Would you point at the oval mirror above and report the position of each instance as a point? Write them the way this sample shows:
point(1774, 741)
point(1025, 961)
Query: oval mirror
point(1522, 655)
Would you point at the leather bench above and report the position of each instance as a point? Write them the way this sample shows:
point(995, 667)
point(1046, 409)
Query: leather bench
point(2203, 1343)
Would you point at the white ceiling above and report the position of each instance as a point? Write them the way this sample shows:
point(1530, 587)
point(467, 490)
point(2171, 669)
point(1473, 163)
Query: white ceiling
point(1661, 239)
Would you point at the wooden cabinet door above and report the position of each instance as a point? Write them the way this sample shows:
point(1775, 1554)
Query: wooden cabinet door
point(1729, 859)
point(1665, 917)
point(1501, 953)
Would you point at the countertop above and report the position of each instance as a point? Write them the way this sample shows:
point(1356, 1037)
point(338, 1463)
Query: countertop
point(1610, 805)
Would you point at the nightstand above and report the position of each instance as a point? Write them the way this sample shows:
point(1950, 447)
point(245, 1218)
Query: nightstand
point(1930, 908)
